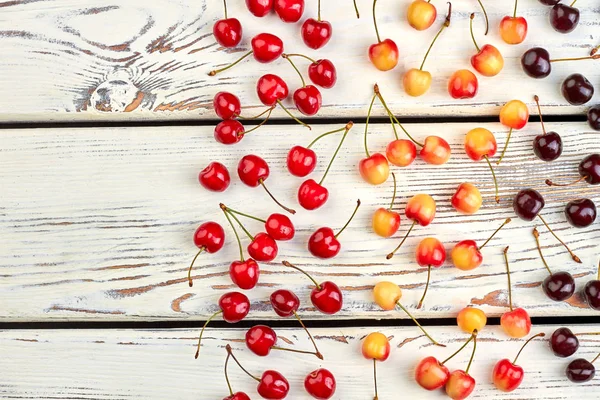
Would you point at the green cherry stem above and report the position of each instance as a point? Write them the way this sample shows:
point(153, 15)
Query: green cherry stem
point(256, 116)
point(536, 235)
point(290, 265)
point(264, 121)
point(356, 10)
point(202, 332)
point(190, 281)
point(472, 34)
point(487, 21)
point(375, 22)
point(218, 71)
point(227, 211)
point(419, 325)
point(393, 195)
point(226, 376)
point(349, 220)
point(508, 277)
point(446, 25)
point(323, 135)
point(375, 378)
point(390, 255)
point(319, 10)
point(506, 222)
point(225, 8)
point(542, 334)
point(292, 115)
point(367, 124)
point(346, 129)
point(472, 355)
point(294, 66)
point(245, 215)
point(515, 12)
point(376, 90)
point(230, 351)
point(312, 60)
point(387, 109)
point(573, 256)
point(426, 287)
point(487, 159)
point(317, 352)
point(573, 3)
point(505, 147)
point(461, 347)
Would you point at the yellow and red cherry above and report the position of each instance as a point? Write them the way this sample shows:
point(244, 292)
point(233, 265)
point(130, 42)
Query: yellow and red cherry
point(488, 61)
point(460, 384)
point(466, 255)
point(421, 14)
point(374, 169)
point(386, 221)
point(508, 376)
point(463, 84)
point(421, 210)
point(480, 144)
point(383, 54)
point(435, 150)
point(513, 30)
point(516, 322)
point(513, 115)
point(471, 319)
point(467, 199)
point(376, 347)
point(416, 81)
point(429, 253)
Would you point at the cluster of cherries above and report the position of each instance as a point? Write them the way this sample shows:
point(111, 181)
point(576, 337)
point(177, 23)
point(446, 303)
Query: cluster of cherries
point(564, 343)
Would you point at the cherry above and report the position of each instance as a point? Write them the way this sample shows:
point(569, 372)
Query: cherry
point(558, 286)
point(435, 150)
point(215, 177)
point(323, 243)
point(593, 117)
point(289, 10)
point(278, 226)
point(589, 171)
point(229, 131)
point(421, 14)
point(263, 247)
point(260, 8)
point(387, 295)
point(480, 144)
point(321, 72)
point(374, 169)
point(386, 221)
point(537, 64)
point(253, 171)
point(581, 370)
point(513, 115)
point(466, 255)
point(430, 253)
point(463, 84)
point(564, 18)
point(488, 61)
point(227, 105)
point(320, 384)
point(271, 90)
point(513, 30)
point(261, 339)
point(460, 384)
point(416, 81)
point(508, 376)
point(564, 343)
point(471, 319)
point(515, 323)
point(591, 292)
point(577, 89)
point(326, 297)
point(549, 2)
point(376, 347)
point(266, 48)
point(315, 32)
point(581, 213)
point(548, 146)
point(234, 306)
point(237, 395)
point(421, 210)
point(307, 98)
point(228, 31)
point(312, 195)
point(209, 237)
point(467, 199)
point(383, 54)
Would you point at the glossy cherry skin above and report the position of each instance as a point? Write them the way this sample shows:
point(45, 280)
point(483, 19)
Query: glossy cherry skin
point(516, 323)
point(273, 386)
point(280, 227)
point(376, 346)
point(386, 222)
point(460, 385)
point(416, 82)
point(435, 151)
point(549, 2)
point(311, 195)
point(252, 170)
point(260, 339)
point(463, 84)
point(536, 63)
point(266, 47)
point(590, 168)
point(244, 274)
point(580, 370)
point(215, 177)
point(227, 105)
point(289, 10)
point(559, 286)
point(421, 208)
point(323, 243)
point(514, 114)
point(316, 34)
point(507, 376)
point(320, 384)
point(374, 169)
point(260, 8)
point(308, 100)
point(593, 117)
point(548, 147)
point(228, 32)
point(323, 73)
point(421, 14)
point(466, 255)
point(528, 203)
point(430, 252)
point(470, 319)
point(235, 306)
point(238, 396)
point(271, 88)
point(263, 248)
point(384, 55)
point(387, 295)
point(513, 30)
point(301, 161)
point(284, 302)
point(488, 61)
point(401, 152)
point(479, 143)
point(564, 18)
point(564, 343)
point(581, 213)
point(430, 374)
point(209, 236)
point(327, 298)
point(591, 294)
point(229, 131)
point(467, 199)
point(577, 89)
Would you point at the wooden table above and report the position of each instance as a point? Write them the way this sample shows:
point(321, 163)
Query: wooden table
point(109, 120)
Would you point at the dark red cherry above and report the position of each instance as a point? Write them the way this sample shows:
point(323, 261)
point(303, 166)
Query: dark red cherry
point(227, 105)
point(593, 117)
point(266, 47)
point(273, 386)
point(215, 177)
point(580, 370)
point(591, 293)
point(581, 213)
point(244, 274)
point(229, 131)
point(228, 32)
point(564, 18)
point(301, 161)
point(549, 2)
point(564, 343)
point(590, 169)
point(252, 170)
point(308, 100)
point(315, 33)
point(536, 63)
point(284, 302)
point(548, 147)
point(209, 236)
point(263, 248)
point(323, 73)
point(235, 306)
point(528, 203)
point(577, 89)
point(289, 10)
point(260, 8)
point(320, 384)
point(312, 195)
point(260, 339)
point(280, 227)
point(559, 286)
point(271, 88)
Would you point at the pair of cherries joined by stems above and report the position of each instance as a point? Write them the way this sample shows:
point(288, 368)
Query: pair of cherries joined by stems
point(326, 296)
point(324, 243)
point(466, 255)
point(288, 11)
point(564, 343)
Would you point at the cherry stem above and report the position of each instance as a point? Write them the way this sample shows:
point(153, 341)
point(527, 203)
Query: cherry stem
point(356, 9)
point(487, 159)
point(257, 116)
point(573, 256)
point(264, 121)
point(190, 281)
point(526, 343)
point(230, 351)
point(509, 284)
point(246, 215)
point(317, 352)
point(537, 101)
point(573, 3)
point(472, 35)
point(226, 376)
point(301, 55)
point(319, 10)
point(472, 355)
point(375, 22)
point(461, 348)
point(426, 287)
point(393, 195)
point(292, 115)
point(291, 211)
point(375, 378)
point(593, 56)
point(536, 235)
point(346, 129)
point(505, 147)
point(487, 21)
point(323, 135)
point(225, 8)
point(389, 112)
point(202, 332)
point(515, 13)
point(236, 236)
point(419, 325)
point(297, 351)
point(389, 256)
point(595, 358)
point(288, 264)
point(598, 271)
point(406, 132)
point(218, 71)
point(446, 24)
point(349, 220)
point(367, 124)
point(550, 183)
point(506, 222)
point(296, 68)
point(225, 209)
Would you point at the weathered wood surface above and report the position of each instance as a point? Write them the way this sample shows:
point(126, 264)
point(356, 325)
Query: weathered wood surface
point(159, 364)
point(97, 223)
point(93, 60)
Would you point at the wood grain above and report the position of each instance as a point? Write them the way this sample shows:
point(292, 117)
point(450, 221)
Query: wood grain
point(159, 364)
point(96, 223)
point(140, 60)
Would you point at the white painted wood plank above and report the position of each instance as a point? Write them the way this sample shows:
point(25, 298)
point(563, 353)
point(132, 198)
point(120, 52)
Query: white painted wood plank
point(71, 60)
point(159, 364)
point(97, 223)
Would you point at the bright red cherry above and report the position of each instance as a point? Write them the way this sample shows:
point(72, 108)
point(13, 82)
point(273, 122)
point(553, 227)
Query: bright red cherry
point(284, 302)
point(271, 89)
point(430, 253)
point(260, 8)
point(261, 339)
point(463, 84)
point(480, 144)
point(323, 243)
point(421, 210)
point(227, 105)
point(435, 150)
point(263, 247)
point(467, 199)
point(466, 255)
point(229, 131)
point(278, 226)
point(315, 32)
point(209, 237)
point(215, 177)
point(320, 384)
point(386, 221)
point(516, 322)
point(383, 54)
point(228, 31)
point(289, 10)
point(266, 48)
point(507, 376)
point(376, 347)
point(301, 161)
point(488, 61)
point(326, 297)
point(322, 73)
point(513, 30)
point(308, 100)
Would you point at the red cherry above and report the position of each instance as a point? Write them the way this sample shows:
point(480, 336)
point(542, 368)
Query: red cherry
point(430, 253)
point(260, 339)
point(316, 34)
point(326, 297)
point(301, 161)
point(323, 243)
point(289, 10)
point(228, 32)
point(215, 177)
point(308, 100)
point(263, 248)
point(323, 73)
point(284, 302)
point(209, 237)
point(229, 131)
point(430, 374)
point(266, 47)
point(312, 195)
point(280, 227)
point(237, 396)
point(273, 386)
point(271, 89)
point(227, 105)
point(507, 376)
point(260, 8)
point(320, 384)
point(244, 274)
